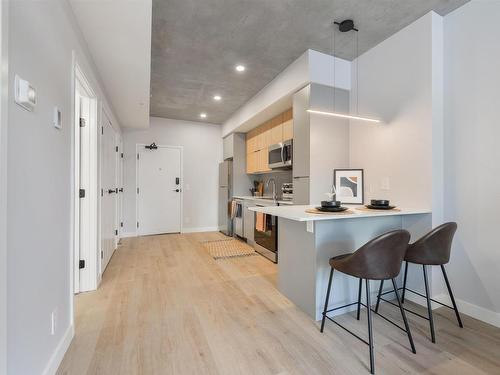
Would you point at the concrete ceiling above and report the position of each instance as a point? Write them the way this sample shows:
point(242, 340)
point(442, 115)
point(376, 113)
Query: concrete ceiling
point(118, 34)
point(196, 45)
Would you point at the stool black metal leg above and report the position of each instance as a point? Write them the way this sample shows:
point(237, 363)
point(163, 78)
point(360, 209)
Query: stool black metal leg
point(404, 283)
point(379, 295)
point(452, 298)
point(429, 307)
point(370, 330)
point(359, 297)
point(326, 300)
point(407, 326)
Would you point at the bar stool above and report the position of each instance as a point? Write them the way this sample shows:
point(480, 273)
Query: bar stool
point(379, 259)
point(433, 249)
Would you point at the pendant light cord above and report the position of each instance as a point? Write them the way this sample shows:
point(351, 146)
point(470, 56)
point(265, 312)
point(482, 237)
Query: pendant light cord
point(357, 72)
point(333, 54)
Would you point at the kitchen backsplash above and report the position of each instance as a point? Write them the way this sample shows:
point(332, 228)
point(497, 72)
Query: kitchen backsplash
point(280, 177)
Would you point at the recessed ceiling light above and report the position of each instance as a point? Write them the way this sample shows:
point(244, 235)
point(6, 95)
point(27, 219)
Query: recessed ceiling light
point(240, 68)
point(203, 115)
point(217, 97)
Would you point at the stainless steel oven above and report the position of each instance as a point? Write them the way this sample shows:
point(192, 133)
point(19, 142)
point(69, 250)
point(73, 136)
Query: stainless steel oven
point(280, 155)
point(266, 235)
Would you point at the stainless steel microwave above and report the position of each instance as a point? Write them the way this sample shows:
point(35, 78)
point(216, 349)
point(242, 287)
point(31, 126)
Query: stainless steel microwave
point(280, 155)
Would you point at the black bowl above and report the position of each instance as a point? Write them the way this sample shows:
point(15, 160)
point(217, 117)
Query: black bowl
point(379, 202)
point(331, 203)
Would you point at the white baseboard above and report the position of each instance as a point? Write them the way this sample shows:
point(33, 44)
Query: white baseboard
point(58, 355)
point(477, 312)
point(202, 229)
point(128, 235)
point(474, 311)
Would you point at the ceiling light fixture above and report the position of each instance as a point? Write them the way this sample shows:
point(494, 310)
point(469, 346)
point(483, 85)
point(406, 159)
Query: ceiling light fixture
point(335, 114)
point(344, 27)
point(203, 115)
point(240, 68)
point(217, 98)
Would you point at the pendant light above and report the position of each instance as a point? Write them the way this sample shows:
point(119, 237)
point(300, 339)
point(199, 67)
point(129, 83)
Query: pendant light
point(344, 27)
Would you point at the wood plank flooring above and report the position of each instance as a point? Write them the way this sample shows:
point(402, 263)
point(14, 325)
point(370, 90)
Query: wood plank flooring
point(166, 307)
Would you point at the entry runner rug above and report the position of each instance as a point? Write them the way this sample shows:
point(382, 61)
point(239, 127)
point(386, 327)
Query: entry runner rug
point(228, 248)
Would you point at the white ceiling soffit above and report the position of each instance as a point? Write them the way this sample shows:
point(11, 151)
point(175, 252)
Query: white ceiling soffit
point(118, 34)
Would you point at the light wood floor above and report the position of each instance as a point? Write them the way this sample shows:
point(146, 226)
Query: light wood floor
point(166, 307)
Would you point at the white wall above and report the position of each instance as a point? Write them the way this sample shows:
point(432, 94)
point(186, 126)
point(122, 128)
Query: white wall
point(472, 155)
point(395, 85)
point(42, 37)
point(400, 82)
point(202, 154)
point(4, 78)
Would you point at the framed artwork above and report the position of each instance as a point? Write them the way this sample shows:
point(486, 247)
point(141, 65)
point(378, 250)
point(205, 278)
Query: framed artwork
point(349, 185)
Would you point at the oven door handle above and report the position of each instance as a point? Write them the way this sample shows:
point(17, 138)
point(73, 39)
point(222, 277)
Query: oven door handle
point(283, 154)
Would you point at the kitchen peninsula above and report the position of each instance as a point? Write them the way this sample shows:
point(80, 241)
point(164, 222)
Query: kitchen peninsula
point(307, 241)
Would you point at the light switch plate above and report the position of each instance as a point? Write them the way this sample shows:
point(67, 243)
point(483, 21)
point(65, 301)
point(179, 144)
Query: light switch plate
point(385, 184)
point(24, 94)
point(57, 121)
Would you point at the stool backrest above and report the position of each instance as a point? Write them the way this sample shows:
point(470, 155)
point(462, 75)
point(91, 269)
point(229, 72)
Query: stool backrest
point(435, 247)
point(381, 258)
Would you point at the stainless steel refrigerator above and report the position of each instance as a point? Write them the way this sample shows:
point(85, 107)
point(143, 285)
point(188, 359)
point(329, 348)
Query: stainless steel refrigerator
point(225, 197)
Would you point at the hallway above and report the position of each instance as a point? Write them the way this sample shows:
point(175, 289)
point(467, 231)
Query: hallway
point(166, 307)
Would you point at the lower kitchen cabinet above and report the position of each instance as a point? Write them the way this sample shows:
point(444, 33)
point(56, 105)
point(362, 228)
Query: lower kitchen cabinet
point(248, 222)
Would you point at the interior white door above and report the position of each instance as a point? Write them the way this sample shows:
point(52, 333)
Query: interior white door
point(109, 193)
point(159, 191)
point(82, 106)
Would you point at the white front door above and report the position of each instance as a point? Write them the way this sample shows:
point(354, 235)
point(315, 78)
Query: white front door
point(109, 185)
point(159, 191)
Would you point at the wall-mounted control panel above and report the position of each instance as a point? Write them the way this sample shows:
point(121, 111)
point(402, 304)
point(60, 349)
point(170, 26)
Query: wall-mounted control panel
point(24, 93)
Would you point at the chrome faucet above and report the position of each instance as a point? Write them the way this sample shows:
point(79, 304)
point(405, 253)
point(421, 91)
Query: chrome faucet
point(271, 180)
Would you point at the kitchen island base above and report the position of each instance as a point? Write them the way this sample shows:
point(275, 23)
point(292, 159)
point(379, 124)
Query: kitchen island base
point(306, 247)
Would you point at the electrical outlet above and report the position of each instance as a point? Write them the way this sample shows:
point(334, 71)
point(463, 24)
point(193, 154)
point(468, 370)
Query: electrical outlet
point(53, 322)
point(385, 184)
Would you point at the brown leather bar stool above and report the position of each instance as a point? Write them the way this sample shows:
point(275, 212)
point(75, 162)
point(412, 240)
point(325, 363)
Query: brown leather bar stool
point(379, 259)
point(433, 249)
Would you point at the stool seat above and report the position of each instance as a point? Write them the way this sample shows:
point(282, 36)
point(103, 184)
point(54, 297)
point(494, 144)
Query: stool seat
point(434, 248)
point(378, 259)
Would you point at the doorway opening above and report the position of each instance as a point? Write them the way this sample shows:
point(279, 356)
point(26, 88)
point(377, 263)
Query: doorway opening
point(86, 182)
point(159, 189)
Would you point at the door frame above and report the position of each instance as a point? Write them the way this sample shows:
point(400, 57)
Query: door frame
point(87, 278)
point(120, 186)
point(181, 149)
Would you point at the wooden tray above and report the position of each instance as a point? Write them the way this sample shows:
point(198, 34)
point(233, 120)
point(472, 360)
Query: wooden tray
point(315, 211)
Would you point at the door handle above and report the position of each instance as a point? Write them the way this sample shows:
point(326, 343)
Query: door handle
point(111, 191)
point(177, 190)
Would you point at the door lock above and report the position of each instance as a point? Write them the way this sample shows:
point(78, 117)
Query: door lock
point(177, 190)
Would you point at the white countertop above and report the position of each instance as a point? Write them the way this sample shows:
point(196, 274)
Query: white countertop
point(298, 213)
point(259, 199)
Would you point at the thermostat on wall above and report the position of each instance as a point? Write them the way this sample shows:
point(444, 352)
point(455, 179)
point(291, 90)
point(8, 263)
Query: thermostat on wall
point(57, 118)
point(25, 94)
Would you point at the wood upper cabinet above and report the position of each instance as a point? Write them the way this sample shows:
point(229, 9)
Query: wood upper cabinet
point(276, 130)
point(287, 125)
point(263, 161)
point(252, 162)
